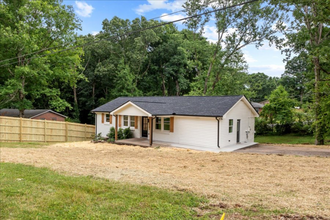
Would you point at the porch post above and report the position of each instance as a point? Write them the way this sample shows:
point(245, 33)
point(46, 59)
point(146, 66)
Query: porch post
point(116, 128)
point(151, 131)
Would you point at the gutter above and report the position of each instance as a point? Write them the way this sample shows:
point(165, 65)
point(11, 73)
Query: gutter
point(95, 124)
point(218, 132)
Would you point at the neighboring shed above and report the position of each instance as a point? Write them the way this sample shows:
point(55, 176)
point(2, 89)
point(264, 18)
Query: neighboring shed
point(205, 121)
point(42, 114)
point(257, 106)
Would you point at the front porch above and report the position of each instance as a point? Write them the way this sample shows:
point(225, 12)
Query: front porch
point(144, 142)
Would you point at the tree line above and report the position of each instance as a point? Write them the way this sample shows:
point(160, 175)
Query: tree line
point(45, 64)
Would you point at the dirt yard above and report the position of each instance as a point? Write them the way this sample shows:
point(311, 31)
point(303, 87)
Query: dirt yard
point(287, 182)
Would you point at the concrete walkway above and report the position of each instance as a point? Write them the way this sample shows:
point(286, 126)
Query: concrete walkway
point(143, 142)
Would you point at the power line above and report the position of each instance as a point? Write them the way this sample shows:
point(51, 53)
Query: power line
point(133, 32)
point(49, 48)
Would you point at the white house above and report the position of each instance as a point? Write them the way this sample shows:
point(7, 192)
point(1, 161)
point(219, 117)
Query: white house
point(203, 121)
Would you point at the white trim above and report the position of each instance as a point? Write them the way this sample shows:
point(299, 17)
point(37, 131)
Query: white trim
point(246, 103)
point(129, 103)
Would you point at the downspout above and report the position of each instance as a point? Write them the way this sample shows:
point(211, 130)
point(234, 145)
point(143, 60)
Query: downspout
point(95, 125)
point(218, 132)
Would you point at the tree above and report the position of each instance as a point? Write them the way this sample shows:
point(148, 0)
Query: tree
point(32, 35)
point(296, 77)
point(279, 110)
point(237, 27)
point(261, 86)
point(308, 31)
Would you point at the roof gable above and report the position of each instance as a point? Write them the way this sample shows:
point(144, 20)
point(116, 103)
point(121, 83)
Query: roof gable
point(204, 106)
point(248, 104)
point(130, 108)
point(28, 113)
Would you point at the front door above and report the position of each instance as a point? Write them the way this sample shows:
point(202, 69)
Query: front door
point(144, 126)
point(238, 129)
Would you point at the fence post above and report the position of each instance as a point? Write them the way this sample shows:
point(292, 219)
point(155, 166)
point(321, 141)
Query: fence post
point(20, 129)
point(85, 131)
point(66, 132)
point(45, 131)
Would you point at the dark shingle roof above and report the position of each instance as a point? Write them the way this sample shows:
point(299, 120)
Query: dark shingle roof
point(177, 105)
point(27, 113)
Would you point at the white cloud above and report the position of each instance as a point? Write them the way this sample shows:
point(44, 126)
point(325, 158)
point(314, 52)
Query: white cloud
point(172, 17)
point(248, 57)
point(83, 9)
point(94, 33)
point(266, 46)
point(270, 70)
point(210, 32)
point(159, 4)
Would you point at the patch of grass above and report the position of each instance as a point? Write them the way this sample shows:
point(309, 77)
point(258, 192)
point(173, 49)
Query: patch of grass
point(23, 144)
point(38, 193)
point(287, 139)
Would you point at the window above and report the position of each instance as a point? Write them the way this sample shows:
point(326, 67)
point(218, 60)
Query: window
point(107, 117)
point(125, 120)
point(166, 124)
point(231, 122)
point(132, 121)
point(158, 123)
point(54, 119)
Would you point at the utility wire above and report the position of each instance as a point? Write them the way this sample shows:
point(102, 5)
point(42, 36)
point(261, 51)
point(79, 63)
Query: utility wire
point(49, 48)
point(132, 32)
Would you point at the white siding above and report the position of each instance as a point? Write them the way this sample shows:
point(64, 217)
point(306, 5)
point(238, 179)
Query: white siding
point(244, 113)
point(130, 110)
point(191, 131)
point(104, 128)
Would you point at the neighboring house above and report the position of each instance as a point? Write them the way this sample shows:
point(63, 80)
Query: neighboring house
point(203, 121)
point(42, 114)
point(264, 102)
point(257, 106)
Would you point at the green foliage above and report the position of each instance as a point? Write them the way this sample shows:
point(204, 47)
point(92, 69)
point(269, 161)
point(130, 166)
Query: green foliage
point(279, 110)
point(237, 27)
point(287, 139)
point(98, 137)
point(28, 193)
point(111, 134)
point(127, 133)
point(32, 27)
point(262, 127)
point(122, 133)
point(306, 32)
point(260, 85)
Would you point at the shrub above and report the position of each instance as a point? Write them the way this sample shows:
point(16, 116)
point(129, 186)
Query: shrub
point(127, 133)
point(122, 134)
point(111, 134)
point(98, 137)
point(262, 127)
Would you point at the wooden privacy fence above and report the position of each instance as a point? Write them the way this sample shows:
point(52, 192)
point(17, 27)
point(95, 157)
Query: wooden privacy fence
point(32, 130)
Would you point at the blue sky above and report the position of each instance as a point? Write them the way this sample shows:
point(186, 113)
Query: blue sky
point(266, 59)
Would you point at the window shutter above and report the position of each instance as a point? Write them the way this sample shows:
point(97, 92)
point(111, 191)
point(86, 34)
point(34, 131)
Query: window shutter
point(102, 118)
point(136, 122)
point(171, 124)
point(119, 119)
point(110, 120)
